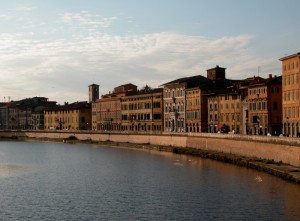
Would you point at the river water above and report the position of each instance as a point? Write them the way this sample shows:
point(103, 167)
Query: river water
point(51, 181)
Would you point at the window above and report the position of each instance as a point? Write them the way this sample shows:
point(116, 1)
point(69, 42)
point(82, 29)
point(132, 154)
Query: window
point(292, 95)
point(293, 112)
point(275, 106)
point(284, 96)
point(156, 105)
point(157, 116)
point(292, 79)
point(259, 106)
point(263, 106)
point(254, 106)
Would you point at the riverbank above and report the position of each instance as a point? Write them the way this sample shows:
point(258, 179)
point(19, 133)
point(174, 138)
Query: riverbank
point(276, 156)
point(284, 171)
point(278, 169)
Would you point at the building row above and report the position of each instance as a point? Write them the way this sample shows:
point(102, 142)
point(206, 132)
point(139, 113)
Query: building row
point(194, 104)
point(211, 103)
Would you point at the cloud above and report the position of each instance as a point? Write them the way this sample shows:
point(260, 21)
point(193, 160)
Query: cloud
point(61, 67)
point(85, 18)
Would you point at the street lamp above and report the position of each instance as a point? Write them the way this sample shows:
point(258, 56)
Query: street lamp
point(60, 122)
point(258, 129)
point(287, 127)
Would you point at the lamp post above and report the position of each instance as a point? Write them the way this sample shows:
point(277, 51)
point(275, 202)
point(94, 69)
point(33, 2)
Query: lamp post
point(258, 128)
point(287, 127)
point(60, 122)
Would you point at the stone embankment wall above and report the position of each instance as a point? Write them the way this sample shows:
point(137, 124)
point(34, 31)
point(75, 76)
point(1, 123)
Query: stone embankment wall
point(279, 149)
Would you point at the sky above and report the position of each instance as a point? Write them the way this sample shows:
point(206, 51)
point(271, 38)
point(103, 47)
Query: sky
point(57, 48)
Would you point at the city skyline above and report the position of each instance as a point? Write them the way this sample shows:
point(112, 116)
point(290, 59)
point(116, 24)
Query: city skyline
point(55, 50)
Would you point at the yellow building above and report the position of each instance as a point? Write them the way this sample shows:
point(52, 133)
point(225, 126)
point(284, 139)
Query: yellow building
point(196, 110)
point(143, 110)
point(290, 94)
point(224, 112)
point(75, 116)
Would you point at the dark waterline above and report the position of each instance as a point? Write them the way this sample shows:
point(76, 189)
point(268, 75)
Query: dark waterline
point(48, 181)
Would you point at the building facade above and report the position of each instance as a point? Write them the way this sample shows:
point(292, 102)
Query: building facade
point(290, 94)
point(175, 104)
point(225, 112)
point(196, 110)
point(75, 116)
point(142, 111)
point(21, 115)
point(265, 106)
point(107, 112)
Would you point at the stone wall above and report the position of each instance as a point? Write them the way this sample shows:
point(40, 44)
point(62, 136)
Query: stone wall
point(284, 149)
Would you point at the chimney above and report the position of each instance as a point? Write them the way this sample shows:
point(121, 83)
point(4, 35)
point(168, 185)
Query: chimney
point(270, 76)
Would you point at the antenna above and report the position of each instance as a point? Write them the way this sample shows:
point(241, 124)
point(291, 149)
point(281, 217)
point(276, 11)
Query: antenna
point(258, 70)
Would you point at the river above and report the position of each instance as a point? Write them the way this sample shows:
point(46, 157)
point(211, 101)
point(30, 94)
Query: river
point(57, 181)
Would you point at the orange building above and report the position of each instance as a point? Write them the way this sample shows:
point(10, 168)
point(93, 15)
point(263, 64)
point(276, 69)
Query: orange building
point(290, 94)
point(107, 112)
point(265, 106)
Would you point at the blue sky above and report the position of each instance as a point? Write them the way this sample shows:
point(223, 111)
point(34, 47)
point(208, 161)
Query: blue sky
point(56, 48)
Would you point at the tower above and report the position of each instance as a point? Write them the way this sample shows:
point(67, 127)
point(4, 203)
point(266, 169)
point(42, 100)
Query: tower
point(216, 73)
point(93, 92)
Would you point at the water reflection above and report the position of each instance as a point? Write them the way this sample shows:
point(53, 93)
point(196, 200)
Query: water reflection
point(82, 182)
point(256, 184)
point(11, 170)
